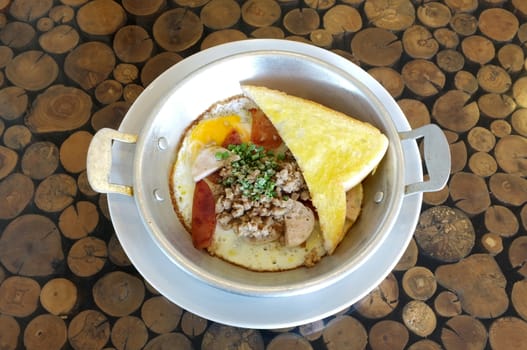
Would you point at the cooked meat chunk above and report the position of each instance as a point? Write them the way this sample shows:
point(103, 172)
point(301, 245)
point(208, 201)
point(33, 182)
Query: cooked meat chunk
point(262, 217)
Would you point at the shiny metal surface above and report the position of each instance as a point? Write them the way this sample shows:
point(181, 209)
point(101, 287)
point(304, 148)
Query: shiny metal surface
point(212, 75)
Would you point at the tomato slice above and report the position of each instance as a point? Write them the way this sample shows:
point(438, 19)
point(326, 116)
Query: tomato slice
point(203, 215)
point(232, 138)
point(263, 132)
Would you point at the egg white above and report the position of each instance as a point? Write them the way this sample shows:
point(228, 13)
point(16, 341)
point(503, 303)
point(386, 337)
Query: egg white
point(270, 256)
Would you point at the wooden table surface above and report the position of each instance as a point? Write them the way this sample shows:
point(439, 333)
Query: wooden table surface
point(71, 67)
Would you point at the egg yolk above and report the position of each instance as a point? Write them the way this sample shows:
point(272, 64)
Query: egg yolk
point(215, 130)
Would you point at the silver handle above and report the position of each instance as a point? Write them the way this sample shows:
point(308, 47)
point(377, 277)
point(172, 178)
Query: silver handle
point(436, 157)
point(99, 161)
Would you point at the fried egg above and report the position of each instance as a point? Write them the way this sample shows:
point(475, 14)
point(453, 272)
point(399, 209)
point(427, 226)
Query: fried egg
point(211, 129)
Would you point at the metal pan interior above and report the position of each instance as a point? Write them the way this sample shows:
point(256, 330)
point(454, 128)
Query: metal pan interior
point(300, 70)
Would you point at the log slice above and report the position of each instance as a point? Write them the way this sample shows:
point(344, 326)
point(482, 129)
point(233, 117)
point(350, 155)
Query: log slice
point(261, 13)
point(40, 160)
point(434, 14)
point(13, 102)
point(452, 112)
point(118, 293)
point(89, 329)
point(478, 49)
point(345, 331)
point(301, 21)
point(87, 256)
point(220, 14)
point(177, 29)
point(445, 233)
point(89, 64)
point(8, 161)
point(423, 77)
point(160, 315)
point(447, 304)
point(45, 331)
point(157, 65)
point(498, 24)
point(464, 23)
point(381, 301)
point(341, 19)
point(59, 296)
point(19, 296)
point(59, 40)
point(31, 246)
point(29, 10)
point(16, 191)
point(388, 335)
point(32, 70)
point(518, 255)
point(479, 284)
point(376, 47)
point(132, 44)
point(508, 188)
point(394, 15)
point(129, 333)
point(55, 193)
point(507, 333)
point(418, 42)
point(464, 332)
point(100, 17)
point(219, 336)
point(10, 334)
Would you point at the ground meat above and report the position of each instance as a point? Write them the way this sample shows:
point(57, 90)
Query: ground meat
point(261, 219)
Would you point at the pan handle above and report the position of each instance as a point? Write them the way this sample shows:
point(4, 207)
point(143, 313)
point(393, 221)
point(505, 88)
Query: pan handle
point(436, 158)
point(99, 161)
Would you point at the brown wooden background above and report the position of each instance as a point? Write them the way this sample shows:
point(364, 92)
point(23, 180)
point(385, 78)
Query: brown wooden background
point(70, 67)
